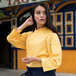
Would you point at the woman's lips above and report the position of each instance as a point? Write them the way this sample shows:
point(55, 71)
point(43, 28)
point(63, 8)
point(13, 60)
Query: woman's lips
point(42, 19)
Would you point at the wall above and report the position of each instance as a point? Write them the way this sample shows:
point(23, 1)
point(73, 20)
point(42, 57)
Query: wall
point(68, 62)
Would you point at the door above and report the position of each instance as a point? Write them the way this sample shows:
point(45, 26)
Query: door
point(5, 47)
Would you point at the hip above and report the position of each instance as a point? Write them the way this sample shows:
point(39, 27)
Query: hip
point(38, 71)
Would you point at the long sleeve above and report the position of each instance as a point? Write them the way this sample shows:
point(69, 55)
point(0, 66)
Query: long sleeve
point(18, 40)
point(54, 59)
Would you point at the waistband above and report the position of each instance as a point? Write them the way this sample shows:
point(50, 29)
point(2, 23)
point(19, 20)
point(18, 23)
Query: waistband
point(37, 69)
point(34, 69)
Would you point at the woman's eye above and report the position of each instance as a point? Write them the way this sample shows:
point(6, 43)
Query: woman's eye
point(44, 12)
point(38, 12)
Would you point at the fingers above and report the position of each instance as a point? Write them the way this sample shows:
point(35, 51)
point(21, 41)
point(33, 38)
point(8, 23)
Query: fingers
point(30, 18)
point(28, 59)
point(24, 59)
point(29, 21)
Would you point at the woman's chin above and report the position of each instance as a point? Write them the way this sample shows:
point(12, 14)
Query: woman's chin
point(42, 23)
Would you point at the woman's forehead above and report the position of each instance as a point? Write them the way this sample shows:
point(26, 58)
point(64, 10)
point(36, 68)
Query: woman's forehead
point(40, 8)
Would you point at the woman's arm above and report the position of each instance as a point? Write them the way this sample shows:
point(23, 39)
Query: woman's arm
point(18, 40)
point(38, 59)
point(54, 59)
point(30, 59)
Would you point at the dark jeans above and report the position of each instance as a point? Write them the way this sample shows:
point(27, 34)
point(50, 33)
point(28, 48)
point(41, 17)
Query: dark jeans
point(38, 71)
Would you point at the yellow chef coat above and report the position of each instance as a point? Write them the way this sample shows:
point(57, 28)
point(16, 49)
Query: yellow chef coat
point(42, 43)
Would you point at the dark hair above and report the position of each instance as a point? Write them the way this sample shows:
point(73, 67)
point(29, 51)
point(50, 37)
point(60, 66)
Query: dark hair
point(49, 23)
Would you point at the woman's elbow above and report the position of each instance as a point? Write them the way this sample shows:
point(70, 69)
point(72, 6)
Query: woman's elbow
point(8, 38)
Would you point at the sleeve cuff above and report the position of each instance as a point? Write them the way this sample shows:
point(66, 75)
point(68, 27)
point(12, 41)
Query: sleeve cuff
point(48, 64)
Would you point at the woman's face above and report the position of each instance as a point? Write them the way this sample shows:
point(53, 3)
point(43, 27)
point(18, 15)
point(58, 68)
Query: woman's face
point(40, 16)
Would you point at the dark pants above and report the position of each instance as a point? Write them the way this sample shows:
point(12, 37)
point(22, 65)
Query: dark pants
point(38, 71)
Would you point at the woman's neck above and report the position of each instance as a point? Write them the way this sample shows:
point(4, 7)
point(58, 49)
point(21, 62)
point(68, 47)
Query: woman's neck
point(38, 27)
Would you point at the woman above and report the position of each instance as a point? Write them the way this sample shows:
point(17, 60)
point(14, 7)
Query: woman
point(43, 49)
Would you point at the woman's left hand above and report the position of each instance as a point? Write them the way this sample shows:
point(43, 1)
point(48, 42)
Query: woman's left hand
point(30, 59)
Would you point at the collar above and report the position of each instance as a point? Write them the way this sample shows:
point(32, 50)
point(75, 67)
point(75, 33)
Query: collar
point(41, 29)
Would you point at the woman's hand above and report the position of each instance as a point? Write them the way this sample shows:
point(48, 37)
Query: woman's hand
point(28, 22)
point(30, 59)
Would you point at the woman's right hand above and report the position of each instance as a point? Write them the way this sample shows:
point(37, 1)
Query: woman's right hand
point(28, 22)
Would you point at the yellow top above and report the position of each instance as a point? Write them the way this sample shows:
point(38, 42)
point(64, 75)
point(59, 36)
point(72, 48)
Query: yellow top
point(42, 43)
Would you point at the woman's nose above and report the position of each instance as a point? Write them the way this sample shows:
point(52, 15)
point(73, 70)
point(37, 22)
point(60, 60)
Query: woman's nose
point(41, 14)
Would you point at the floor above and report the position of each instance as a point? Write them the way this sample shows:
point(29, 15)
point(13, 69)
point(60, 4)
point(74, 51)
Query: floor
point(11, 72)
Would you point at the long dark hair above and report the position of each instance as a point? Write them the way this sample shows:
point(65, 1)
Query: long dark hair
point(49, 23)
